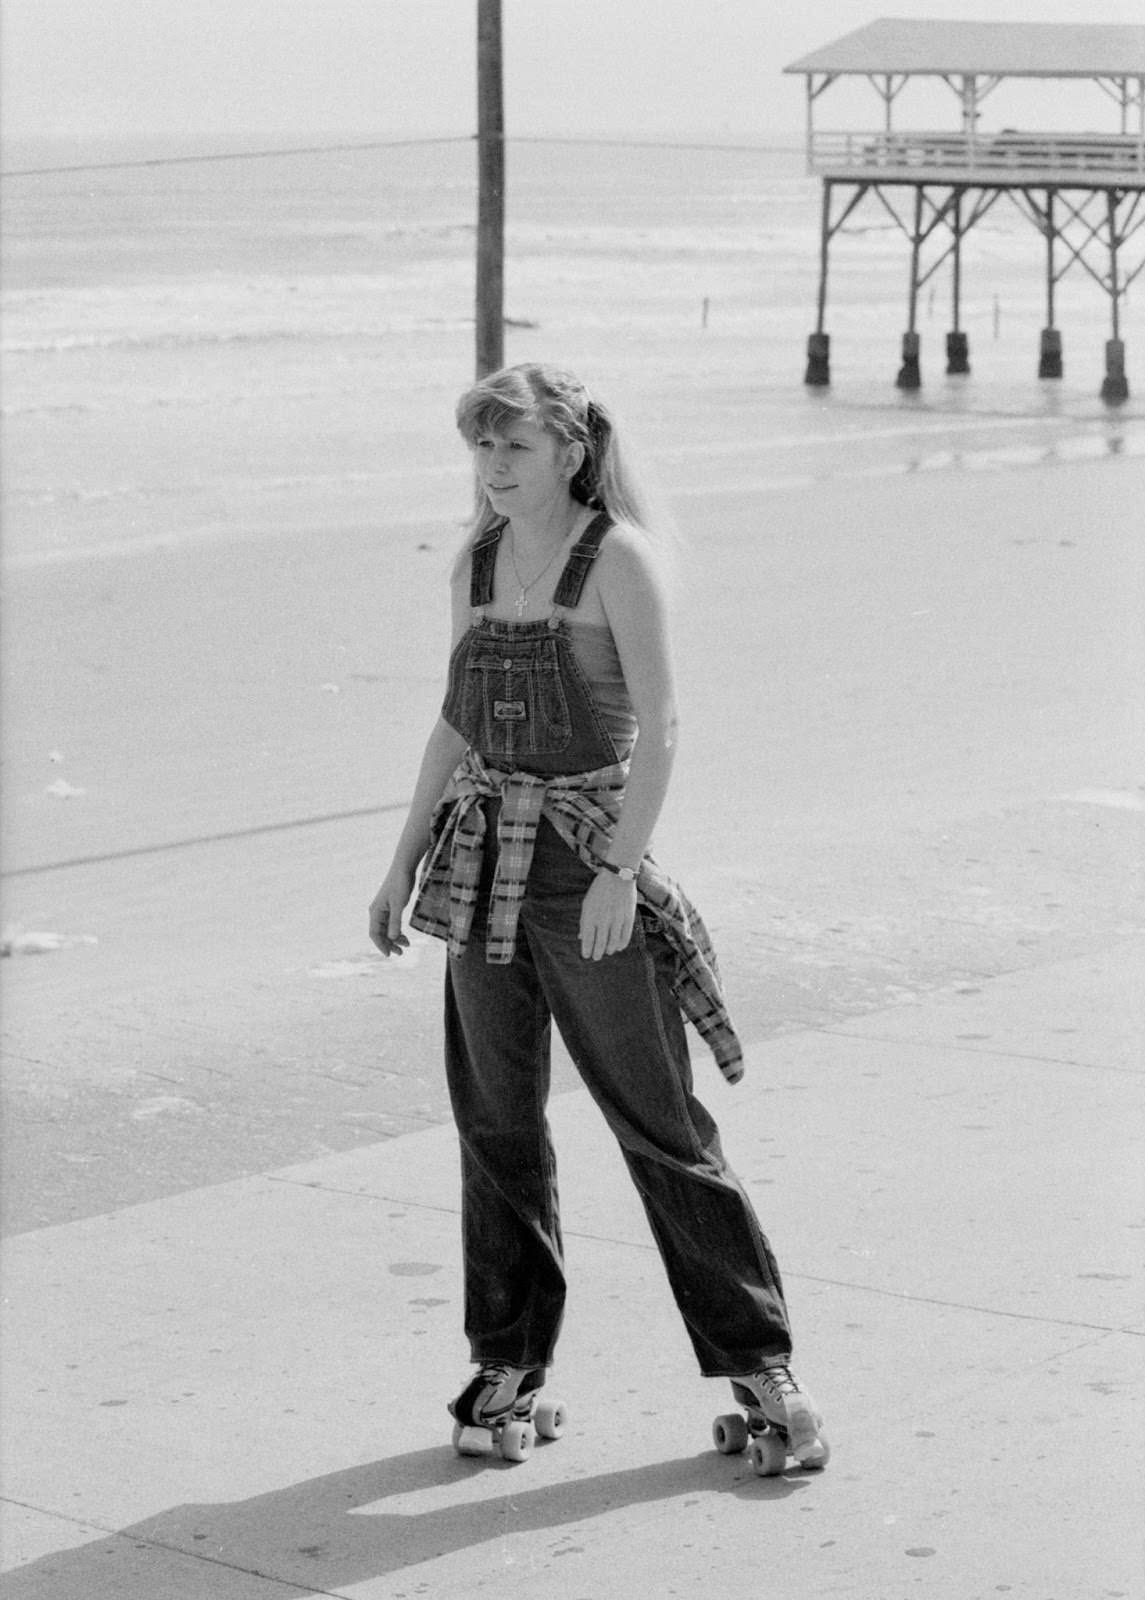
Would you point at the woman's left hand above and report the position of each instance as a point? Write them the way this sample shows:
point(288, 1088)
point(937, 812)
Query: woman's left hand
point(607, 916)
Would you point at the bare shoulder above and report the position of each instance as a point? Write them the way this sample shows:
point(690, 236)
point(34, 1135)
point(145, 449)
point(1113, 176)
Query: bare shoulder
point(630, 570)
point(459, 608)
point(631, 593)
point(459, 576)
point(628, 544)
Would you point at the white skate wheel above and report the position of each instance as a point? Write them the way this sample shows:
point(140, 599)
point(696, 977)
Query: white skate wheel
point(730, 1434)
point(516, 1441)
point(472, 1441)
point(768, 1455)
point(550, 1418)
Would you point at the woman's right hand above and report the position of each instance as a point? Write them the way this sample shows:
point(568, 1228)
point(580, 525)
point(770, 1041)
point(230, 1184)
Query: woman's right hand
point(386, 911)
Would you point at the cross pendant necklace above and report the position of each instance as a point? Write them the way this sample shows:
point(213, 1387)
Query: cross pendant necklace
point(523, 588)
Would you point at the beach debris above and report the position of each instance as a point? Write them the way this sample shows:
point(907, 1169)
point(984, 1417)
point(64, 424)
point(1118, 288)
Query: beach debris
point(370, 966)
point(331, 688)
point(161, 1104)
point(1112, 799)
point(364, 968)
point(16, 941)
point(519, 322)
point(55, 756)
point(63, 790)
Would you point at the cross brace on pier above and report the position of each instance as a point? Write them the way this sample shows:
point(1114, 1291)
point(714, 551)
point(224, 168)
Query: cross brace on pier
point(1084, 193)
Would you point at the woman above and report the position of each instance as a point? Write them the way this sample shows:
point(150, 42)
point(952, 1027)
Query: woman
point(533, 810)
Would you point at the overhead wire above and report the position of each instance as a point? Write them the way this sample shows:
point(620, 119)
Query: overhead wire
point(237, 155)
point(389, 144)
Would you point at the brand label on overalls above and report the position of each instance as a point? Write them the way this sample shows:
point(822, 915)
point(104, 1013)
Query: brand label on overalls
point(509, 710)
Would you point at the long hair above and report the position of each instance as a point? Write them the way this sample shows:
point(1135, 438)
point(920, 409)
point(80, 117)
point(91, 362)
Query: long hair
point(557, 401)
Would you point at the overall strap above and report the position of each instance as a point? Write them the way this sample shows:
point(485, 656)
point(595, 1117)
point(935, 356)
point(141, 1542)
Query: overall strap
point(581, 558)
point(483, 559)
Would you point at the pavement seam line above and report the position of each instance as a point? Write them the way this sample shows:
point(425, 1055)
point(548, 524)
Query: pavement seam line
point(135, 851)
point(969, 1050)
point(364, 1194)
point(158, 1544)
point(801, 1277)
point(962, 1305)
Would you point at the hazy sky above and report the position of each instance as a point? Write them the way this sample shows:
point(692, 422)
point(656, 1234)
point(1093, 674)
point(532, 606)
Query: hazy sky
point(322, 67)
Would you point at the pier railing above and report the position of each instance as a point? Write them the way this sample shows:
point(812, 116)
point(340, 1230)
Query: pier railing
point(1008, 157)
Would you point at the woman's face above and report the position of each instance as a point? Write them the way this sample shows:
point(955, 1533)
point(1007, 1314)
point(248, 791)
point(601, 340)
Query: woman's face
point(525, 469)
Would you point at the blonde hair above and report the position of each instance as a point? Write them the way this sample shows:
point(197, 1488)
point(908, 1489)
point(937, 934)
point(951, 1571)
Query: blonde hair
point(559, 402)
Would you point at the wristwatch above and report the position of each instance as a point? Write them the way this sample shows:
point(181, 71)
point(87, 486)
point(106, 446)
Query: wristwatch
point(629, 874)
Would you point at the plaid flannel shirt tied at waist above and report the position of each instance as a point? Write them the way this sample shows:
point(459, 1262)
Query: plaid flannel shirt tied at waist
point(583, 808)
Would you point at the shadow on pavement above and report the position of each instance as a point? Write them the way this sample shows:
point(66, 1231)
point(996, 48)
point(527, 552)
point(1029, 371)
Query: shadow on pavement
point(323, 1534)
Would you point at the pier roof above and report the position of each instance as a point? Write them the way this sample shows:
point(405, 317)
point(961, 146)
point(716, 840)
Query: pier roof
point(1001, 49)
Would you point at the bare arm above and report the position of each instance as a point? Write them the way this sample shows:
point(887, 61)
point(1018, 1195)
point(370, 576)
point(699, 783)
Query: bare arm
point(444, 749)
point(632, 595)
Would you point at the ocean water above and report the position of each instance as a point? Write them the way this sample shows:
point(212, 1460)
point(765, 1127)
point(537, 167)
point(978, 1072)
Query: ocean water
point(222, 347)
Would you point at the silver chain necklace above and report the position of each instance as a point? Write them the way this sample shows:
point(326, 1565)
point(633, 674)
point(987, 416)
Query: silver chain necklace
point(522, 587)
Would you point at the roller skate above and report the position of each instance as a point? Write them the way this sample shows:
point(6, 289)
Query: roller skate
point(782, 1422)
point(498, 1412)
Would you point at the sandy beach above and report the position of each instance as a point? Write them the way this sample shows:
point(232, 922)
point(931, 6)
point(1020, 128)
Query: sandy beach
point(925, 687)
point(909, 640)
point(909, 624)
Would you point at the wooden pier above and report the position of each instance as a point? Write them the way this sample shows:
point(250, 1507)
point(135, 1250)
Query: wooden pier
point(1083, 192)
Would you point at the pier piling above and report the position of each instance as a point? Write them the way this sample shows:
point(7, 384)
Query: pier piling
point(1050, 357)
point(910, 373)
point(818, 373)
point(957, 352)
point(1115, 388)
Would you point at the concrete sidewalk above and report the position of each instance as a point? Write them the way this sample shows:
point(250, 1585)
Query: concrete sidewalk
point(238, 1392)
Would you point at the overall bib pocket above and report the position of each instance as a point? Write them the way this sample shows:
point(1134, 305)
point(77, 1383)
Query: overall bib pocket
point(508, 696)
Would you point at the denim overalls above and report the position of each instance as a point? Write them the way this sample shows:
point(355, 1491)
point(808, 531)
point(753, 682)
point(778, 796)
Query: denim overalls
point(516, 690)
point(518, 694)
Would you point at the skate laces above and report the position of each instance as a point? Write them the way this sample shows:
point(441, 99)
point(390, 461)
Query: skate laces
point(781, 1392)
point(779, 1377)
point(490, 1394)
point(494, 1372)
point(493, 1379)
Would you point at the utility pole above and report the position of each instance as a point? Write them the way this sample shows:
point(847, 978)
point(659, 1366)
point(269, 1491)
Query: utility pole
point(490, 191)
